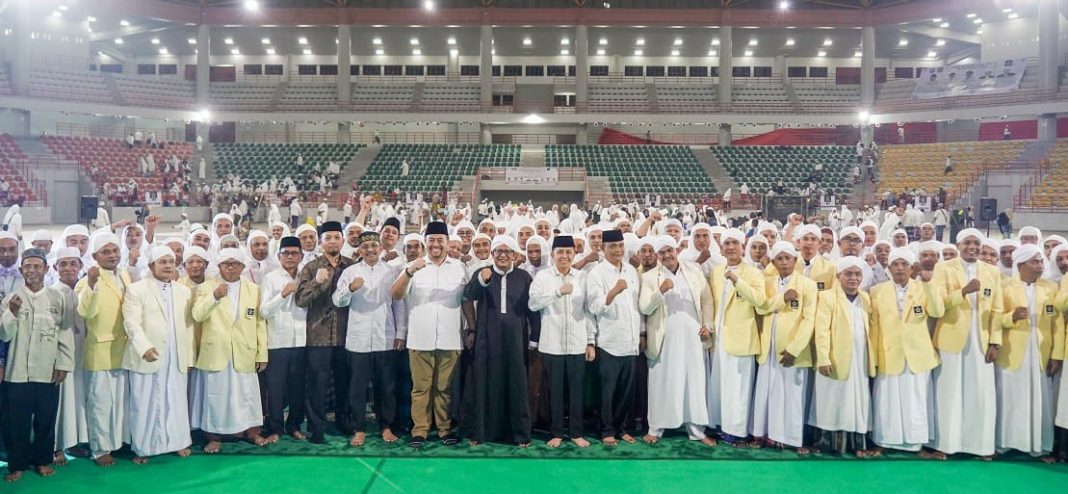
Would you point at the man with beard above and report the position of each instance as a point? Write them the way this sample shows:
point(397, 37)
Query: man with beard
point(496, 396)
point(100, 297)
point(326, 326)
point(159, 354)
point(535, 263)
point(259, 258)
point(309, 241)
point(968, 338)
point(377, 328)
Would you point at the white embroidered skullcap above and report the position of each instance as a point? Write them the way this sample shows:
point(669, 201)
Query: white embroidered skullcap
point(305, 228)
point(68, 253)
point(231, 254)
point(846, 262)
point(902, 253)
point(504, 241)
point(100, 240)
point(41, 236)
point(808, 229)
point(930, 246)
point(197, 251)
point(1025, 253)
point(665, 241)
point(852, 230)
point(970, 232)
point(732, 234)
point(1030, 231)
point(159, 252)
point(782, 247)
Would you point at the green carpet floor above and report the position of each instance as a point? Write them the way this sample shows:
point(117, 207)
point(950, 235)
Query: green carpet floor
point(675, 465)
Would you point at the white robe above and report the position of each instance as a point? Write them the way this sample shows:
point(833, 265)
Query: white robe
point(227, 401)
point(677, 376)
point(159, 405)
point(901, 404)
point(730, 382)
point(106, 405)
point(965, 405)
point(1025, 399)
point(845, 405)
point(72, 427)
point(779, 400)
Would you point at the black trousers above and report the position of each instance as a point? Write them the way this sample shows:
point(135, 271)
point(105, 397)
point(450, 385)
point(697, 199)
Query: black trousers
point(566, 374)
point(285, 379)
point(402, 394)
point(325, 365)
point(30, 427)
point(617, 390)
point(375, 369)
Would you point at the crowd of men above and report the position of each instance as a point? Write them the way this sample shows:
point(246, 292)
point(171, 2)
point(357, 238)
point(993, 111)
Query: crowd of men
point(853, 339)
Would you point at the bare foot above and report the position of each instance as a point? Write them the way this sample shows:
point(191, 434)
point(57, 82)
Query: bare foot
point(45, 471)
point(60, 459)
point(708, 441)
point(803, 451)
point(104, 461)
point(212, 447)
point(580, 442)
point(140, 460)
point(932, 455)
point(627, 438)
point(388, 436)
point(474, 443)
point(1048, 459)
point(13, 477)
point(555, 442)
point(759, 443)
point(299, 436)
point(609, 442)
point(272, 439)
point(184, 453)
point(650, 439)
point(521, 445)
point(257, 439)
point(986, 458)
point(358, 439)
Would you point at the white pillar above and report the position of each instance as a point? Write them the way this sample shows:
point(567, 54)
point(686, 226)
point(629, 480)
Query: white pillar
point(725, 134)
point(203, 64)
point(867, 66)
point(20, 48)
point(582, 65)
point(780, 67)
point(1048, 61)
point(344, 65)
point(726, 68)
point(485, 67)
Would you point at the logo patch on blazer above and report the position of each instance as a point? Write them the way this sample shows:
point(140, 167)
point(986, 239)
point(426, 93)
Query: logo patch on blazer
point(987, 292)
point(793, 304)
point(250, 312)
point(820, 285)
point(917, 310)
point(1049, 309)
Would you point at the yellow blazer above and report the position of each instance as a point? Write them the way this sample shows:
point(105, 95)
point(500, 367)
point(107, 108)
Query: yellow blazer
point(822, 271)
point(903, 340)
point(951, 330)
point(222, 337)
point(834, 332)
point(143, 313)
point(740, 336)
point(651, 304)
point(105, 335)
point(795, 321)
point(1050, 325)
point(197, 327)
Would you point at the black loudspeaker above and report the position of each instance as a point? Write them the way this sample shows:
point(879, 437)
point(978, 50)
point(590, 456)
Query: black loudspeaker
point(88, 207)
point(988, 209)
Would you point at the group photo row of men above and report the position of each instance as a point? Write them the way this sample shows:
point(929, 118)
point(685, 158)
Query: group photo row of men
point(576, 328)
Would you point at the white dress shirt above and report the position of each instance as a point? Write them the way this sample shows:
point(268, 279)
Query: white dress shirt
point(566, 327)
point(617, 326)
point(287, 324)
point(433, 301)
point(375, 319)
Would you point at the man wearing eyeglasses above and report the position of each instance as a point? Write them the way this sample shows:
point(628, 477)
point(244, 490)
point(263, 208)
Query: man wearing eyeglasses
point(496, 405)
point(286, 339)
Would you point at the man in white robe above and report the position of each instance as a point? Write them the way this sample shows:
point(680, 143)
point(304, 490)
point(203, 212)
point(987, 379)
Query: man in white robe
point(72, 428)
point(159, 354)
point(675, 298)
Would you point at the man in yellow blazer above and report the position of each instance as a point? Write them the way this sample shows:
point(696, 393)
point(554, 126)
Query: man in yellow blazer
point(233, 348)
point(1031, 354)
point(845, 357)
point(159, 354)
point(810, 263)
point(737, 292)
point(904, 355)
point(785, 352)
point(100, 297)
point(967, 338)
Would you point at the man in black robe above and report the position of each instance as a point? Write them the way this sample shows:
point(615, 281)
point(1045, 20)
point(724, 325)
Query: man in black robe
point(495, 395)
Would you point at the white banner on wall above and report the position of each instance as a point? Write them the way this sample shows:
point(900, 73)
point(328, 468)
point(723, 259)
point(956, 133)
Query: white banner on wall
point(1002, 76)
point(531, 176)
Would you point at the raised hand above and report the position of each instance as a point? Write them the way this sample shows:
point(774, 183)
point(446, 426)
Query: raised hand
point(289, 289)
point(356, 284)
point(972, 287)
point(322, 275)
point(221, 290)
point(15, 304)
point(418, 264)
point(789, 295)
point(486, 274)
point(94, 275)
point(666, 285)
point(566, 289)
point(151, 355)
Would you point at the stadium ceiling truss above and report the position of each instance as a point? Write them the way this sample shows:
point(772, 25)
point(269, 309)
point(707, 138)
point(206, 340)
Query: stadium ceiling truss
point(595, 4)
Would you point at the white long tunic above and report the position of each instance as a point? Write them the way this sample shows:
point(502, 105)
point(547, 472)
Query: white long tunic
point(779, 401)
point(845, 405)
point(901, 403)
point(159, 407)
point(965, 405)
point(72, 427)
point(1025, 398)
point(677, 377)
point(730, 380)
point(226, 402)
